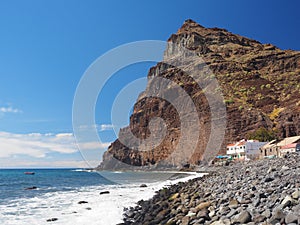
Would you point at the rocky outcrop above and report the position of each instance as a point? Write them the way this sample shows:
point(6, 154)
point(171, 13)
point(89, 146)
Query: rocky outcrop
point(259, 84)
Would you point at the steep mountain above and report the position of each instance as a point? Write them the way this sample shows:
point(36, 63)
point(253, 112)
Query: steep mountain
point(260, 87)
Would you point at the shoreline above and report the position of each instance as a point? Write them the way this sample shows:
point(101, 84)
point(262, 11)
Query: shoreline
point(138, 193)
point(256, 192)
point(84, 205)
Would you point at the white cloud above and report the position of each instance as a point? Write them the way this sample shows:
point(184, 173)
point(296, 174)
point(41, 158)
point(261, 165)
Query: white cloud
point(34, 144)
point(93, 145)
point(62, 135)
point(103, 127)
point(99, 127)
point(9, 110)
point(37, 145)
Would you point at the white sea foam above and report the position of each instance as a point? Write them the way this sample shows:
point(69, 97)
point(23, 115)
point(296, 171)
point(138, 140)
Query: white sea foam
point(83, 170)
point(106, 209)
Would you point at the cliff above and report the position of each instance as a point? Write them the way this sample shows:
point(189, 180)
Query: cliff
point(256, 86)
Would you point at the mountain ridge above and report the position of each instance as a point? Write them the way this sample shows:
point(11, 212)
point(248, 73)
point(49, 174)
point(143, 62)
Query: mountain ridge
point(259, 83)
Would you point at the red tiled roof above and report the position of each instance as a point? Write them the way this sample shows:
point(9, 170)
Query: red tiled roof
point(293, 145)
point(229, 145)
point(241, 143)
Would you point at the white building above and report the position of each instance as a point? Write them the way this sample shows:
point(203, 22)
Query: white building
point(244, 149)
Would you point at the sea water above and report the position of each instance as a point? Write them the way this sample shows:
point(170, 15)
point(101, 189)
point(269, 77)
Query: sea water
point(58, 192)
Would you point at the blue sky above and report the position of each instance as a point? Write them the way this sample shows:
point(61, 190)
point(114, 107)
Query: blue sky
point(46, 46)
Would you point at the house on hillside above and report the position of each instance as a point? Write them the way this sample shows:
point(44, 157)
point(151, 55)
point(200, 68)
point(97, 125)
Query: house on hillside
point(280, 148)
point(244, 149)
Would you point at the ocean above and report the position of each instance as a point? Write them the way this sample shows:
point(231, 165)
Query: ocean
point(56, 193)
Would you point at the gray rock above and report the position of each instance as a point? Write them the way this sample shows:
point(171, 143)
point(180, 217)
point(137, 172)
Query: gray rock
point(259, 218)
point(212, 213)
point(243, 217)
point(185, 220)
point(287, 201)
point(291, 218)
point(82, 202)
point(233, 204)
point(232, 213)
point(269, 179)
point(224, 209)
point(267, 213)
point(256, 202)
point(271, 169)
point(202, 205)
point(283, 168)
point(296, 194)
point(203, 214)
point(218, 223)
point(262, 195)
point(52, 220)
point(171, 222)
point(277, 215)
point(226, 221)
point(190, 214)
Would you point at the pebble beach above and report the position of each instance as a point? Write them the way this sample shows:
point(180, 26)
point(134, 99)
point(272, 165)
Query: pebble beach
point(256, 192)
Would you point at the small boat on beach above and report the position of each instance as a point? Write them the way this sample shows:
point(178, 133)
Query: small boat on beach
point(29, 173)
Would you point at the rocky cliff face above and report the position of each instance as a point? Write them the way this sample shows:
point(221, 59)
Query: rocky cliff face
point(260, 89)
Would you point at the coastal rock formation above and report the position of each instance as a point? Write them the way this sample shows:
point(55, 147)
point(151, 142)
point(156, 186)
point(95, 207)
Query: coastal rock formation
point(260, 86)
point(257, 192)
